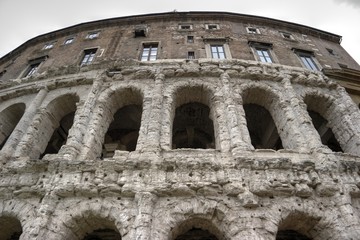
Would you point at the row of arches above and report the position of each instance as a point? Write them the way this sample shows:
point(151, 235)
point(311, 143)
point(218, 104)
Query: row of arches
point(192, 118)
point(192, 229)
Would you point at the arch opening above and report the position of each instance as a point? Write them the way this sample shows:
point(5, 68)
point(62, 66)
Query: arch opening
point(123, 132)
point(196, 229)
point(9, 118)
point(323, 115)
point(60, 118)
point(10, 228)
point(326, 134)
point(261, 126)
point(290, 235)
point(103, 234)
point(197, 234)
point(192, 127)
point(59, 137)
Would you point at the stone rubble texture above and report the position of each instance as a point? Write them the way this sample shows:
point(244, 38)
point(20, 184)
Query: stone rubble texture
point(155, 192)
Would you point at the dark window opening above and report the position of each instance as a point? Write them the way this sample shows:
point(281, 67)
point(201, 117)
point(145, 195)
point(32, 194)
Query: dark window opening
point(140, 31)
point(88, 58)
point(149, 52)
point(190, 39)
point(331, 52)
point(197, 234)
point(123, 132)
point(325, 132)
point(212, 27)
point(290, 235)
point(192, 127)
point(262, 129)
point(185, 27)
point(252, 30)
point(69, 41)
point(59, 137)
point(9, 118)
point(32, 69)
point(103, 234)
point(191, 55)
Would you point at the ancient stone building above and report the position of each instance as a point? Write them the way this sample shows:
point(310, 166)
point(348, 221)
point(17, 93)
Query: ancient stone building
point(181, 125)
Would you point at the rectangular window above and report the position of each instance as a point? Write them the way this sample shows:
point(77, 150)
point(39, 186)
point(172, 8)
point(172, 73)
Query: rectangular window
point(92, 35)
point(34, 65)
point(190, 39)
point(252, 30)
point(185, 27)
point(149, 52)
point(217, 51)
point(212, 26)
point(191, 55)
point(287, 35)
point(308, 62)
point(89, 55)
point(48, 46)
point(263, 54)
point(69, 41)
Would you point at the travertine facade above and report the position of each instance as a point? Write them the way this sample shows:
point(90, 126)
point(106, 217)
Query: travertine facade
point(231, 127)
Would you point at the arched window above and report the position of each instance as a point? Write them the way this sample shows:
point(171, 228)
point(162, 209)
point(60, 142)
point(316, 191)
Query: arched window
point(320, 110)
point(9, 118)
point(123, 132)
point(261, 126)
point(192, 124)
point(10, 228)
point(60, 117)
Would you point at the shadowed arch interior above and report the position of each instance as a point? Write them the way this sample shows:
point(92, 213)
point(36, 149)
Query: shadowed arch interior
point(262, 129)
point(61, 112)
point(125, 107)
point(319, 109)
point(9, 118)
point(192, 123)
point(10, 228)
point(197, 229)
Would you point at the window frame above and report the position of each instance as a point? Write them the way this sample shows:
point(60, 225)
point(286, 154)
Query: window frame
point(71, 39)
point(185, 27)
point(190, 37)
point(33, 66)
point(191, 55)
point(150, 46)
point(88, 54)
point(93, 35)
point(252, 30)
point(263, 47)
point(49, 46)
point(212, 26)
point(304, 56)
point(209, 42)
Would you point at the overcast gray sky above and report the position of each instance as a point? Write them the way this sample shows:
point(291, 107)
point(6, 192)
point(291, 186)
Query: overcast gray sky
point(22, 20)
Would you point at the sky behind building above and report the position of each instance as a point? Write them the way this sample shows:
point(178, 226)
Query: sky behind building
point(22, 20)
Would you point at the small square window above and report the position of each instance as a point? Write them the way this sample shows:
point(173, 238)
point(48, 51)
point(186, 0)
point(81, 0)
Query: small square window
point(190, 39)
point(48, 46)
point(185, 27)
point(253, 30)
point(92, 35)
point(191, 55)
point(149, 52)
point(69, 41)
point(88, 57)
point(331, 52)
point(212, 26)
point(287, 35)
